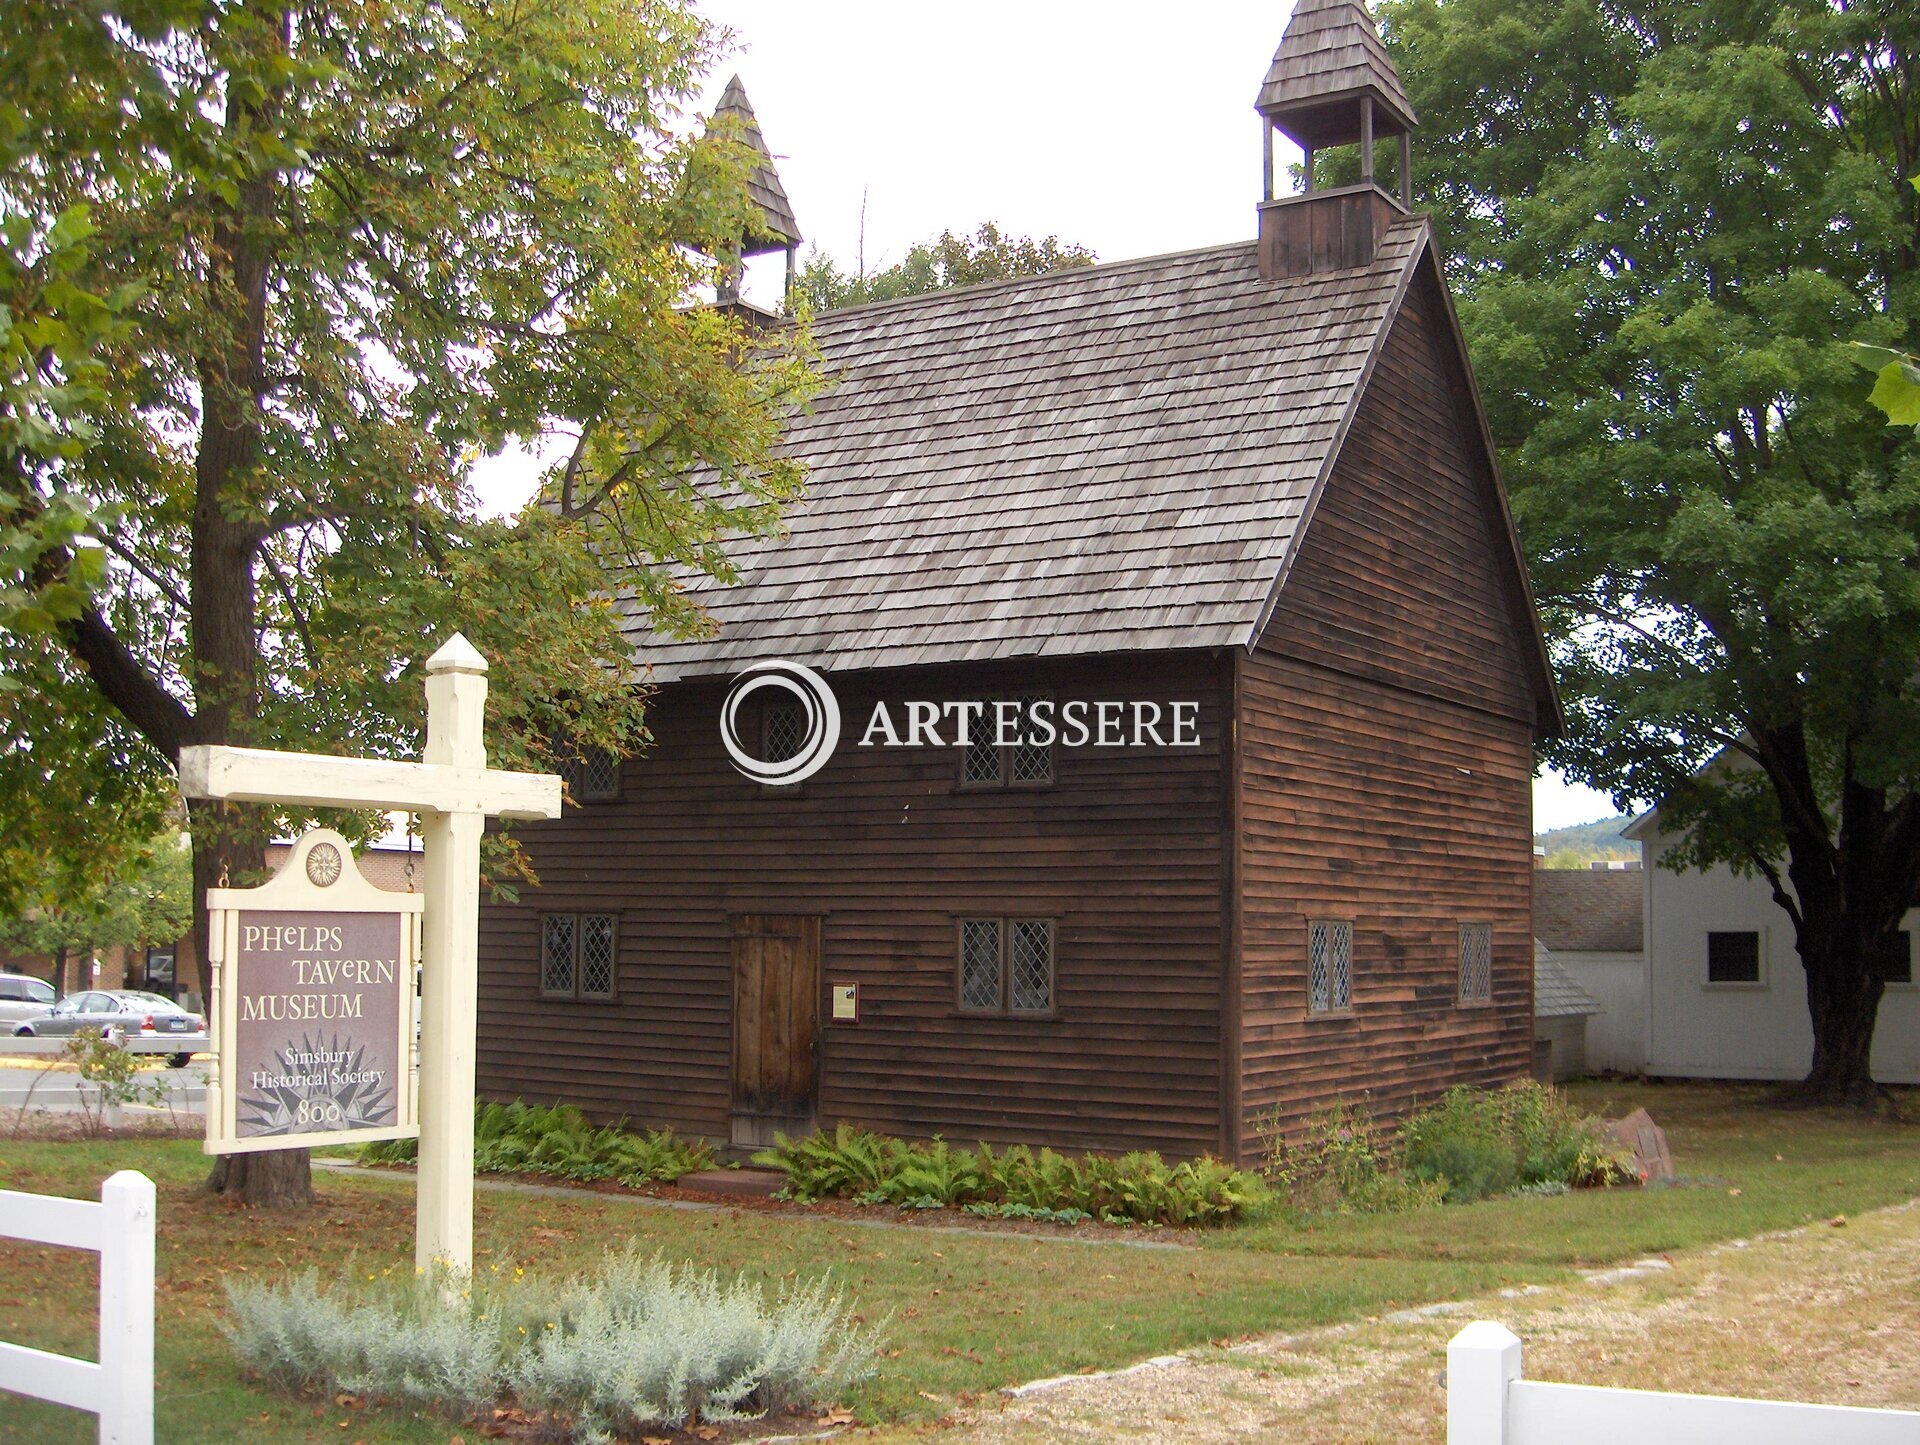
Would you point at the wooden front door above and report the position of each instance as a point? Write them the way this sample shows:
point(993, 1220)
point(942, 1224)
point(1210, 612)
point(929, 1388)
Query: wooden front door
point(776, 1025)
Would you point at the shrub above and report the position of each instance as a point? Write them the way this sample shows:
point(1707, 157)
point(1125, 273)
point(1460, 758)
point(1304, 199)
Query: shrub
point(1141, 1188)
point(1477, 1142)
point(640, 1344)
point(560, 1142)
point(1341, 1164)
point(645, 1344)
point(388, 1339)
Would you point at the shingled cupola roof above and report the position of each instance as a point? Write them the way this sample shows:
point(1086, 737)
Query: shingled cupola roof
point(778, 230)
point(1331, 84)
point(1330, 57)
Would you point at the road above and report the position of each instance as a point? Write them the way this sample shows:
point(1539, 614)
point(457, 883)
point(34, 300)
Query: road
point(57, 1090)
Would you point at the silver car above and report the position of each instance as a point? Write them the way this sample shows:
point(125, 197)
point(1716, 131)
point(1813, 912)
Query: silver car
point(22, 997)
point(138, 1015)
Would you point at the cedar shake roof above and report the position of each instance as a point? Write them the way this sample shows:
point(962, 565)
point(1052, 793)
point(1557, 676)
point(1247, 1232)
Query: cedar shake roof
point(1577, 910)
point(1555, 993)
point(763, 185)
point(1331, 50)
point(1105, 459)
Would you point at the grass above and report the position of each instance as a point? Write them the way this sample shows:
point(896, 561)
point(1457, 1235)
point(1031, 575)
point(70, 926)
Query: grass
point(970, 1312)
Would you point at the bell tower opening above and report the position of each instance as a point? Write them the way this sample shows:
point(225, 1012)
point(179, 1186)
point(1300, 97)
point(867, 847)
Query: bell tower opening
point(1331, 84)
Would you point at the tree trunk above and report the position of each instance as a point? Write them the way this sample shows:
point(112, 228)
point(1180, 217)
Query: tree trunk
point(1843, 1000)
point(273, 1179)
point(225, 548)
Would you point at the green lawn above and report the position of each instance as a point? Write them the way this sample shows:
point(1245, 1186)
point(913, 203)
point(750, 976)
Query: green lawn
point(969, 1312)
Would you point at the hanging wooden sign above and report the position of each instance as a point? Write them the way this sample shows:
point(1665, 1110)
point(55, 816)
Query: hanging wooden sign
point(313, 1007)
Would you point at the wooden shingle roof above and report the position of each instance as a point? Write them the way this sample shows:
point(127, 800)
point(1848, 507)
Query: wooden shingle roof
point(1112, 458)
point(1557, 994)
point(779, 229)
point(1331, 49)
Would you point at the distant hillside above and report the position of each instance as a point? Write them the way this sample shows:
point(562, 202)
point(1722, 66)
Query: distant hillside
point(1585, 843)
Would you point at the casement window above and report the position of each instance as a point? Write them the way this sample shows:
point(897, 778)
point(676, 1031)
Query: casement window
point(592, 775)
point(1476, 963)
point(578, 955)
point(783, 730)
point(985, 763)
point(1897, 966)
point(1005, 966)
point(1733, 957)
point(1329, 967)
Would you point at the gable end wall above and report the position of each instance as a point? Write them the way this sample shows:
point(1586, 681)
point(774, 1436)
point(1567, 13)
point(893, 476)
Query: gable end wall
point(1386, 736)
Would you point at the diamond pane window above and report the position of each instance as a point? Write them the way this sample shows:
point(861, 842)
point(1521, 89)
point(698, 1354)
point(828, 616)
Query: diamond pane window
point(578, 955)
point(1476, 963)
point(1029, 762)
point(1329, 967)
point(596, 955)
point(785, 729)
point(591, 774)
point(556, 953)
point(1030, 973)
point(980, 761)
point(980, 964)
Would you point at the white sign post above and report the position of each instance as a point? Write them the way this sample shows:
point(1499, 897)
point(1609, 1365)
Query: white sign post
point(455, 793)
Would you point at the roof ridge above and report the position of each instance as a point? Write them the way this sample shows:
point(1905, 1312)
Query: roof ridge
point(974, 288)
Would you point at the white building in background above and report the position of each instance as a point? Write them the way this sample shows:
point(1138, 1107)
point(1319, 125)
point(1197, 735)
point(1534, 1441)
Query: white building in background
point(1590, 921)
point(1725, 997)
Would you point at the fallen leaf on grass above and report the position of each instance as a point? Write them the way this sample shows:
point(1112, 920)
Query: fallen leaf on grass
point(1839, 1221)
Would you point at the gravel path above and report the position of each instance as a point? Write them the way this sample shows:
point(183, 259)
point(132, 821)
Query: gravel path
point(1826, 1313)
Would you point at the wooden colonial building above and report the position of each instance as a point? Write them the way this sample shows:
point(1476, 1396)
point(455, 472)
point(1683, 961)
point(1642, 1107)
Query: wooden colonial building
point(1253, 478)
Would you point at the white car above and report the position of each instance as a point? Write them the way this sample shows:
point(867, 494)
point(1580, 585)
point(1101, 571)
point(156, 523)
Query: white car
point(22, 997)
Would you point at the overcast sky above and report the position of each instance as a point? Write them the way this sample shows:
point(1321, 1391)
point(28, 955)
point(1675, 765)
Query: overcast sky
point(1126, 128)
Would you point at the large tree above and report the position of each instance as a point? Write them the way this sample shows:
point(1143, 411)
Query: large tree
point(1667, 219)
point(988, 254)
point(338, 251)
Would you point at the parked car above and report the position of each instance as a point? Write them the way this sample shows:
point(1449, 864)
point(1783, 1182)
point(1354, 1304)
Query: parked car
point(134, 1013)
point(22, 997)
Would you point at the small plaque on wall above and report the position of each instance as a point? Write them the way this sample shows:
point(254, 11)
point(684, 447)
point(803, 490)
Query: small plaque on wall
point(846, 1003)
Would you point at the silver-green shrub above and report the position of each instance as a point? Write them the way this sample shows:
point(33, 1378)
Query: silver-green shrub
point(638, 1344)
point(644, 1343)
point(382, 1338)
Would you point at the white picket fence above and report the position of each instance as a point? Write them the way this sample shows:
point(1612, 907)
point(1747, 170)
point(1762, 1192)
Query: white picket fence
point(119, 1389)
point(1489, 1403)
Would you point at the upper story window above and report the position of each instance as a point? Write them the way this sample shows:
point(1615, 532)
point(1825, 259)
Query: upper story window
point(1329, 967)
point(1733, 957)
point(783, 731)
point(591, 775)
point(1476, 963)
point(1003, 748)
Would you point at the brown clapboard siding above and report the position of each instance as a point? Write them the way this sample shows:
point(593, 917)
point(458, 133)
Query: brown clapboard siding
point(1123, 853)
point(1402, 577)
point(1385, 762)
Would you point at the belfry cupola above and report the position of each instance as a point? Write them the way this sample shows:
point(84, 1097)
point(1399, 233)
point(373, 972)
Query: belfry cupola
point(1331, 84)
point(773, 227)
